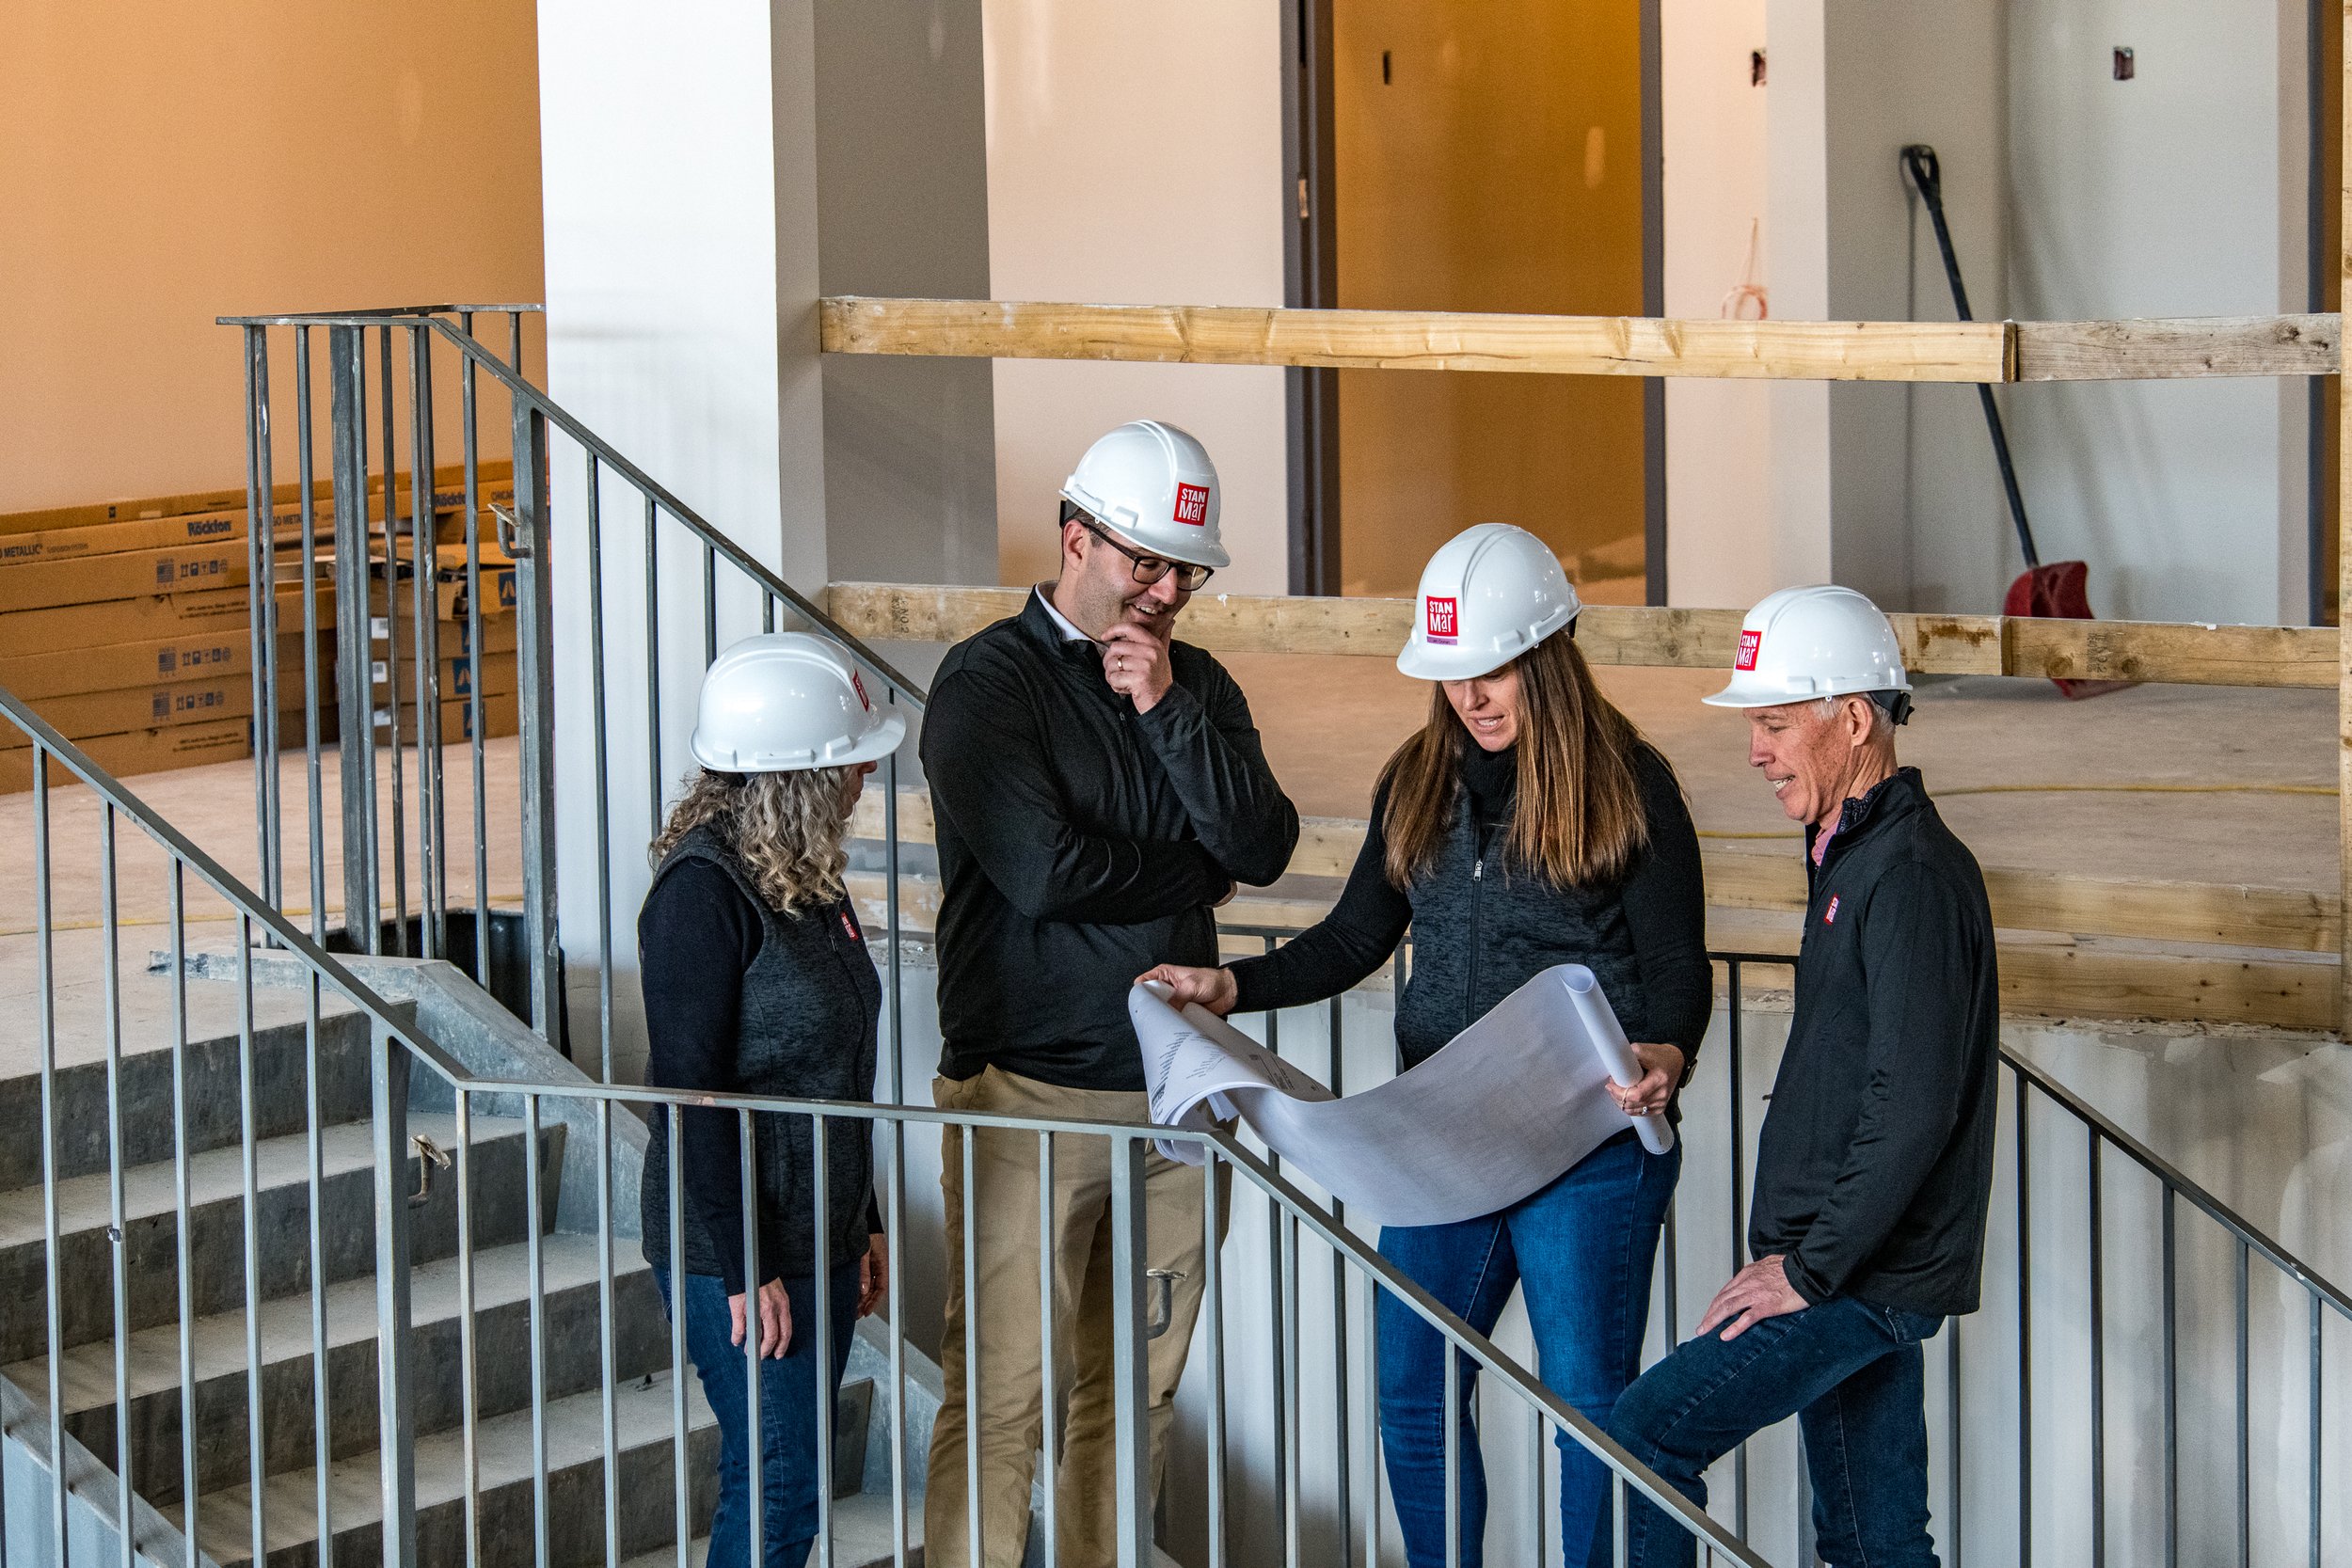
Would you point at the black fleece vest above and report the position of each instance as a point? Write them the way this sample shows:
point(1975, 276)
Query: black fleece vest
point(811, 1002)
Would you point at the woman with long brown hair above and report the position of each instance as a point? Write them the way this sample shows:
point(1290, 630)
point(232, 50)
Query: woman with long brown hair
point(757, 981)
point(1526, 824)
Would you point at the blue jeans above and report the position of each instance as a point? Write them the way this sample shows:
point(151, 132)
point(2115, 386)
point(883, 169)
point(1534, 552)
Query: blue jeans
point(787, 1414)
point(1851, 1372)
point(1582, 1247)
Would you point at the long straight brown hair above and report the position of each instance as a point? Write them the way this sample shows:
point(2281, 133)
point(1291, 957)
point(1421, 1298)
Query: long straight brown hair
point(1578, 818)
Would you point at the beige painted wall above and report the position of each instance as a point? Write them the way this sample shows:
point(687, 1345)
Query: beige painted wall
point(1134, 155)
point(163, 165)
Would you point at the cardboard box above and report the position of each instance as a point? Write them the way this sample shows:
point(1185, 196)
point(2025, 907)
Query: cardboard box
point(494, 481)
point(221, 655)
point(196, 528)
point(211, 613)
point(43, 584)
point(449, 594)
point(499, 677)
point(103, 713)
point(501, 716)
point(499, 634)
point(139, 752)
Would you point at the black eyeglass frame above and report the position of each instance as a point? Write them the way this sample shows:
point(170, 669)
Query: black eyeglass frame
point(1142, 572)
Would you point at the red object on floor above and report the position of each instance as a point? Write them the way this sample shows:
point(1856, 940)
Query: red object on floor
point(2056, 591)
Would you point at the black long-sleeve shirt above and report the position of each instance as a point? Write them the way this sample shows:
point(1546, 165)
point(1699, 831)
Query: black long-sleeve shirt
point(1081, 843)
point(1481, 930)
point(1875, 1163)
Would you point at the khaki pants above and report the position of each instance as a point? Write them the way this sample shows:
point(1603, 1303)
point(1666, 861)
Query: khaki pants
point(1005, 1235)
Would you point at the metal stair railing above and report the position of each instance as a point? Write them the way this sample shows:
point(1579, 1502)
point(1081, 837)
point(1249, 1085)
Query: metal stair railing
point(740, 594)
point(560, 1536)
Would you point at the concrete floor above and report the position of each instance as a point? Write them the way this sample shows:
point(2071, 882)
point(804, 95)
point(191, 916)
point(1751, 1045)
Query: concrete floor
point(1328, 724)
point(213, 807)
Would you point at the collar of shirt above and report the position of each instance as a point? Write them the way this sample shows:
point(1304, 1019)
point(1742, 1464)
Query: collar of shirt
point(1068, 632)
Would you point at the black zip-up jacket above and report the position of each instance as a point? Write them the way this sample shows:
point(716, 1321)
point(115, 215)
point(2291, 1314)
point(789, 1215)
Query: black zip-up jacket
point(1081, 843)
point(1481, 927)
point(1875, 1163)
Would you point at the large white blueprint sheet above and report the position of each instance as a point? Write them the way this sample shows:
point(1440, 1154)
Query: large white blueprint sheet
point(1500, 1112)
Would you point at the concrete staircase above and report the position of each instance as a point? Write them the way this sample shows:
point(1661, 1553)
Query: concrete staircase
point(461, 1017)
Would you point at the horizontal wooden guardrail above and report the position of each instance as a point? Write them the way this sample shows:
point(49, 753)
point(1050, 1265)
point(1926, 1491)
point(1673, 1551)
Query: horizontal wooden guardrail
point(2159, 650)
point(2059, 978)
point(1585, 345)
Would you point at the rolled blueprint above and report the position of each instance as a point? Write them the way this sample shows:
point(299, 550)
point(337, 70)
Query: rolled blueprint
point(1608, 1036)
point(1498, 1113)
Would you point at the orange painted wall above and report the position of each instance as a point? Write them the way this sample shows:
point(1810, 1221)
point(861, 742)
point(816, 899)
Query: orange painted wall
point(1497, 167)
point(164, 163)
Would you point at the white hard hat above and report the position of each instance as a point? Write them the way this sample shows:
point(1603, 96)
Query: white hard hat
point(1817, 642)
point(787, 701)
point(1489, 593)
point(1153, 485)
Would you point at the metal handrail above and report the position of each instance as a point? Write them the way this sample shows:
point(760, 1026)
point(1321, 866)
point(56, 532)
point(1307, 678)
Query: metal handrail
point(2173, 1179)
point(519, 387)
point(1629, 1475)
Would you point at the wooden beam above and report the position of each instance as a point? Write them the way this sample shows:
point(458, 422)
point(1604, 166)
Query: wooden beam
point(2343, 556)
point(2154, 349)
point(1421, 340)
point(2205, 914)
point(1684, 638)
point(2159, 350)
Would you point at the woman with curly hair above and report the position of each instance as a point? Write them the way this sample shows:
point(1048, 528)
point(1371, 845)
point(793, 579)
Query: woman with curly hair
point(757, 981)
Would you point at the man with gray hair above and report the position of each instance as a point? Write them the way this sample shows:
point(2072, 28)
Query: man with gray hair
point(1875, 1163)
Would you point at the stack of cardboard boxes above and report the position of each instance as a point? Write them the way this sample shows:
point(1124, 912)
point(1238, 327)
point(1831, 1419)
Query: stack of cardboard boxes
point(394, 639)
point(127, 625)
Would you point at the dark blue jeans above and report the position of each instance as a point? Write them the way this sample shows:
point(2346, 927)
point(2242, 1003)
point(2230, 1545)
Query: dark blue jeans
point(1582, 1247)
point(787, 1414)
point(1851, 1372)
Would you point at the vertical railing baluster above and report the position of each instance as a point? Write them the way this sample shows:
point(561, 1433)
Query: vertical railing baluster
point(181, 1198)
point(596, 742)
point(2098, 1369)
point(1452, 1423)
point(534, 614)
point(822, 1350)
point(395, 1350)
point(248, 1143)
point(424, 535)
point(45, 965)
point(536, 1283)
point(1344, 1514)
point(1049, 1456)
point(1735, 1018)
point(261, 565)
point(2244, 1432)
point(478, 716)
point(2318, 1325)
point(322, 1395)
point(391, 648)
point(2025, 1327)
point(2171, 1312)
point(1213, 1345)
point(710, 605)
point(682, 1497)
point(355, 647)
point(607, 1348)
point(1130, 1414)
point(117, 1210)
point(754, 1320)
point(654, 789)
point(969, 1135)
point(469, 1346)
point(313, 777)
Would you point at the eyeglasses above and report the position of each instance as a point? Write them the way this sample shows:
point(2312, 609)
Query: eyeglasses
point(1149, 569)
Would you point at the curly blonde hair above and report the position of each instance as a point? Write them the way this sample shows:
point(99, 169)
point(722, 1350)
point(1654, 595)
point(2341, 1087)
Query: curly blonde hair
point(789, 829)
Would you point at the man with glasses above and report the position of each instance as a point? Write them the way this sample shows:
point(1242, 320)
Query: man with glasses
point(1098, 789)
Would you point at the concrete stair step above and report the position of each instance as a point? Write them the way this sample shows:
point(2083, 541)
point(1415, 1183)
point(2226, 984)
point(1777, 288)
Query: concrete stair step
point(860, 1537)
point(281, 1097)
point(151, 1232)
point(218, 1356)
point(574, 1512)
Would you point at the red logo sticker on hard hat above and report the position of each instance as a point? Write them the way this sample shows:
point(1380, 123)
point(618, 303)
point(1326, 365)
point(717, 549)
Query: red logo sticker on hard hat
point(1442, 623)
point(860, 687)
point(1749, 643)
point(1192, 504)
